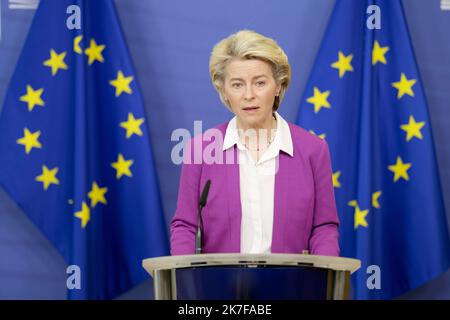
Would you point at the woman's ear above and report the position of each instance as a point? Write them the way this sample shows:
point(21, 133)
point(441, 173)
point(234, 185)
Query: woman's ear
point(225, 97)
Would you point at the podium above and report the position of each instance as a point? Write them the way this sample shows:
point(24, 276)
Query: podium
point(233, 276)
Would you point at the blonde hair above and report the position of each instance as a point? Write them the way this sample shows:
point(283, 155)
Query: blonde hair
point(247, 44)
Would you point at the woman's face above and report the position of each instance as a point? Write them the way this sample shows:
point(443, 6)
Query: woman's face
point(250, 90)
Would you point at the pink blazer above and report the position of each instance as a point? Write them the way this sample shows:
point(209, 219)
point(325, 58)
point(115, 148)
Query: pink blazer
point(305, 215)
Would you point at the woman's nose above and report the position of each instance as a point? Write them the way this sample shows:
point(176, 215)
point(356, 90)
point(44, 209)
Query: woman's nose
point(248, 94)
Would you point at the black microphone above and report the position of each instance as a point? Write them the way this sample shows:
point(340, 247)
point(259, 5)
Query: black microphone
point(201, 204)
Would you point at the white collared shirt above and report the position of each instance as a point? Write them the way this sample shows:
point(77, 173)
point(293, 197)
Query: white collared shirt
point(257, 186)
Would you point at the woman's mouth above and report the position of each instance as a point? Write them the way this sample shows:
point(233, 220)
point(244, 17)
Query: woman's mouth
point(251, 109)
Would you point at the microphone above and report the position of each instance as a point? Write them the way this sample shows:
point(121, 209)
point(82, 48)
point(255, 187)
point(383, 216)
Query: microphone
point(201, 204)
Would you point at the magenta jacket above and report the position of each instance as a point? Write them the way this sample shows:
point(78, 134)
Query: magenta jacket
point(305, 215)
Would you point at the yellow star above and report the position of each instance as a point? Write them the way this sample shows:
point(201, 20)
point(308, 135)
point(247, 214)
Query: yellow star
point(400, 169)
point(84, 215)
point(122, 166)
point(56, 61)
point(404, 86)
point(30, 140)
point(48, 177)
point(412, 129)
point(94, 52)
point(360, 217)
point(378, 53)
point(33, 97)
point(132, 125)
point(97, 195)
point(375, 197)
point(321, 136)
point(76, 44)
point(336, 182)
point(353, 203)
point(343, 64)
point(319, 100)
point(122, 84)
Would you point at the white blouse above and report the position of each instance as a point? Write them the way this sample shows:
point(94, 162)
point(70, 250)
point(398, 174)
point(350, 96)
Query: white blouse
point(257, 186)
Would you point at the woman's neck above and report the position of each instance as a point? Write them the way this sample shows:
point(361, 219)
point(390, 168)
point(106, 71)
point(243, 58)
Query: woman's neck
point(266, 125)
point(258, 136)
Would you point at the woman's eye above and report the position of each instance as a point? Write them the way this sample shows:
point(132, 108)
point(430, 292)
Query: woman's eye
point(236, 85)
point(260, 83)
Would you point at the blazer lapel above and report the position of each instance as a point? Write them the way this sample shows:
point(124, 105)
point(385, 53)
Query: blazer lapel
point(234, 202)
point(280, 204)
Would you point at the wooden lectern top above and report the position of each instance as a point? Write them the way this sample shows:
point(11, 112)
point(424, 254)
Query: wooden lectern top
point(223, 259)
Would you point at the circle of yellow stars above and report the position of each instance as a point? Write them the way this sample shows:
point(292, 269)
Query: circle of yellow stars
point(34, 96)
point(412, 129)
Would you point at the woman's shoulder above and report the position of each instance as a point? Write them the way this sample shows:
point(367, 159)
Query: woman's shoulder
point(304, 140)
point(222, 127)
point(211, 138)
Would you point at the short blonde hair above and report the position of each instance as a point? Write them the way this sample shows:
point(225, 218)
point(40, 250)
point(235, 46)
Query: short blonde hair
point(247, 44)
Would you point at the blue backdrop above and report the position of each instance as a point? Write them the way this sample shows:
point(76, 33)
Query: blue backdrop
point(170, 43)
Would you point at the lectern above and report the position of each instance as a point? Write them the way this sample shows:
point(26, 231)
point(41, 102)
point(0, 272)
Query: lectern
point(251, 276)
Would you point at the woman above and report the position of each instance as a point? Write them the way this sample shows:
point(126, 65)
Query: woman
point(277, 196)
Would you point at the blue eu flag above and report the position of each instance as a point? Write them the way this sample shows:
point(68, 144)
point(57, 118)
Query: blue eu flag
point(366, 99)
point(75, 147)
